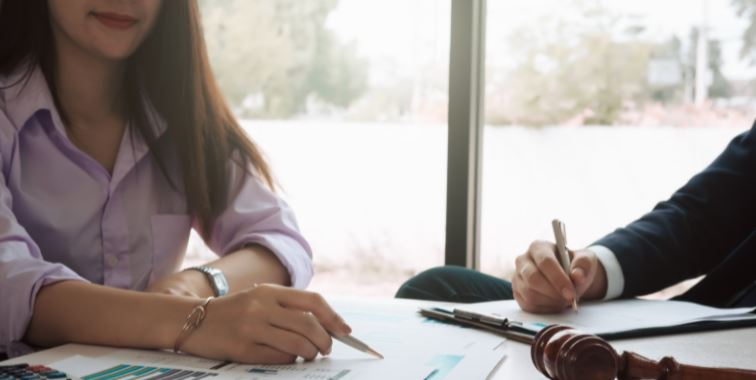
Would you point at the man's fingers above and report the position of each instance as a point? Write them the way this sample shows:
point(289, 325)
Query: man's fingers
point(583, 271)
point(305, 324)
point(539, 296)
point(530, 279)
point(528, 305)
point(543, 255)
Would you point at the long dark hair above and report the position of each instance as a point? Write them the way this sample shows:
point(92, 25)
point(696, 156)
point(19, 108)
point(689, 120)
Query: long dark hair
point(171, 69)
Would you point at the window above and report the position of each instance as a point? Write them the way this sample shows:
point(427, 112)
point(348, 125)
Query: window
point(595, 111)
point(348, 100)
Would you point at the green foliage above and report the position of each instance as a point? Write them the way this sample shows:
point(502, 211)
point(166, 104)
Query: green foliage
point(280, 53)
point(588, 69)
point(720, 87)
point(747, 10)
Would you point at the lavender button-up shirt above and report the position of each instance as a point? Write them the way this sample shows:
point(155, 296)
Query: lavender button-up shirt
point(64, 217)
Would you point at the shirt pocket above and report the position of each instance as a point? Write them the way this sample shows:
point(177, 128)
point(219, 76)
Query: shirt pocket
point(170, 235)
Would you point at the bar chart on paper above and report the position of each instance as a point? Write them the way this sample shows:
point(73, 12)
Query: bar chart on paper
point(106, 369)
point(414, 348)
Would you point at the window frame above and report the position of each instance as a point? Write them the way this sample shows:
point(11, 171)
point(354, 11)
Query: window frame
point(465, 133)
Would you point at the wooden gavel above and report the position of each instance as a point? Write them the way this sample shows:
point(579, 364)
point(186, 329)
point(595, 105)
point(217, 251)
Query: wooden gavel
point(562, 353)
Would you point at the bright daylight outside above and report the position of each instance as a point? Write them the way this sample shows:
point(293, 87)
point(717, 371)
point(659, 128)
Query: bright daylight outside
point(595, 111)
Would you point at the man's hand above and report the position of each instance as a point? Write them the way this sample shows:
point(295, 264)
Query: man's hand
point(540, 285)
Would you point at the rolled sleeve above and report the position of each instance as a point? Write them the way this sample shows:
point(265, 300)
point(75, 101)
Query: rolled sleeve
point(255, 215)
point(23, 272)
point(22, 277)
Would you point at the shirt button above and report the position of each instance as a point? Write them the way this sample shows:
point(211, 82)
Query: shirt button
point(111, 260)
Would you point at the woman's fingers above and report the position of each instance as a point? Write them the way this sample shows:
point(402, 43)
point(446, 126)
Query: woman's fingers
point(304, 324)
point(262, 354)
point(288, 342)
point(314, 303)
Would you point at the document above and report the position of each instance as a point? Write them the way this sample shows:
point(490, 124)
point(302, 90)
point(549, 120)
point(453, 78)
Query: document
point(115, 369)
point(157, 366)
point(414, 348)
point(631, 317)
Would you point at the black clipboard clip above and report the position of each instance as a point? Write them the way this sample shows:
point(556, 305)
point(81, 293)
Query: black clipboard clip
point(499, 325)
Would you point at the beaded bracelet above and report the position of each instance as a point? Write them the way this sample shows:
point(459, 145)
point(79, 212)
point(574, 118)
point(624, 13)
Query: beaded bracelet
point(193, 321)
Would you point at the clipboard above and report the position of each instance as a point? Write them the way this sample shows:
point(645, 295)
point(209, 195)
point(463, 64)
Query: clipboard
point(525, 331)
point(499, 326)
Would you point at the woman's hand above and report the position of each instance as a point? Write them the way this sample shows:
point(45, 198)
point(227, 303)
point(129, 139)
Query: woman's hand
point(267, 324)
point(540, 285)
point(188, 283)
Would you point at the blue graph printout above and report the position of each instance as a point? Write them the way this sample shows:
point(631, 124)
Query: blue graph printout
point(442, 364)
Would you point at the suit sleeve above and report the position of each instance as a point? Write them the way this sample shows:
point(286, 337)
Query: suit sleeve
point(687, 235)
point(257, 215)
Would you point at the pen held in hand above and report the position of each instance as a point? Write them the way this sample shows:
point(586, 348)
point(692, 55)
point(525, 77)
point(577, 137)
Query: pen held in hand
point(560, 234)
point(357, 345)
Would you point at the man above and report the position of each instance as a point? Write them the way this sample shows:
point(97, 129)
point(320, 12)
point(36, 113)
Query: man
point(707, 227)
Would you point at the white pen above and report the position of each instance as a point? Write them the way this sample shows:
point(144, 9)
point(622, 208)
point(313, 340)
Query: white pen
point(357, 345)
point(560, 234)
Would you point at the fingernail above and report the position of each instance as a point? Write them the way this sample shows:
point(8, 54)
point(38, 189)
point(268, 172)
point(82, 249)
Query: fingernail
point(346, 329)
point(567, 294)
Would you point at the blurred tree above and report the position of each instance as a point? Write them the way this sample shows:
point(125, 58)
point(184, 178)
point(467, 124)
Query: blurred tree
point(685, 59)
point(672, 87)
point(588, 67)
point(270, 56)
point(747, 10)
point(719, 87)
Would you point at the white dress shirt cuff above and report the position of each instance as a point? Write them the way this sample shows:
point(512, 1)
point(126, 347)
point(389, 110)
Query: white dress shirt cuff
point(615, 279)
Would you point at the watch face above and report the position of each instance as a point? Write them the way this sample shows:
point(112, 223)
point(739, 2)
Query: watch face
point(219, 282)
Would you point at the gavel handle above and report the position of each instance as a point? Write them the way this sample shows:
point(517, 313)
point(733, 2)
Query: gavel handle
point(634, 366)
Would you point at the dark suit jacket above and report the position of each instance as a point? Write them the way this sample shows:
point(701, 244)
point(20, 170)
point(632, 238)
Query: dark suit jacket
point(706, 227)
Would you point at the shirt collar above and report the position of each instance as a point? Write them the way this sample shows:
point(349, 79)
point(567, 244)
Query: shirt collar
point(25, 96)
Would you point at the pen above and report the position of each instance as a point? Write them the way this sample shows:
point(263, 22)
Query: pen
point(357, 345)
point(560, 234)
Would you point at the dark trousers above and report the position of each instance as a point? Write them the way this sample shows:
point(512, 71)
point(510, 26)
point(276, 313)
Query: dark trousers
point(455, 284)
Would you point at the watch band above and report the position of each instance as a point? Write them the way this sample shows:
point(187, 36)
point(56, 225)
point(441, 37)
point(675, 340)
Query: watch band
point(215, 277)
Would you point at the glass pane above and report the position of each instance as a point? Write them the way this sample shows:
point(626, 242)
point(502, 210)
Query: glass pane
point(348, 100)
point(594, 114)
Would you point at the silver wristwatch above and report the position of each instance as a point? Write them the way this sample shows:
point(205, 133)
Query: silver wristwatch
point(215, 277)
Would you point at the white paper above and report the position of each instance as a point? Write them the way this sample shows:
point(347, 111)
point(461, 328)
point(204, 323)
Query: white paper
point(114, 367)
point(614, 316)
point(414, 348)
point(85, 368)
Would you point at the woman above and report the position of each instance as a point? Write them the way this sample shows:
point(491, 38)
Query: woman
point(114, 142)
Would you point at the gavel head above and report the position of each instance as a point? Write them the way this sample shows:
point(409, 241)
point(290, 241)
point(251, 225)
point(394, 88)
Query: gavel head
point(562, 353)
